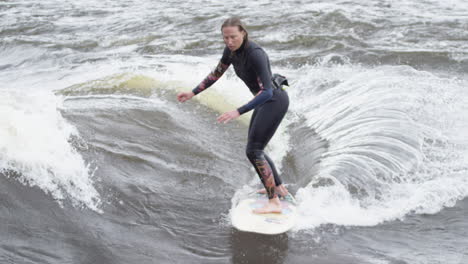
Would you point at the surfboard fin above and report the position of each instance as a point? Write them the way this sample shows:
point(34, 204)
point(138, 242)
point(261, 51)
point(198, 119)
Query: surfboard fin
point(290, 198)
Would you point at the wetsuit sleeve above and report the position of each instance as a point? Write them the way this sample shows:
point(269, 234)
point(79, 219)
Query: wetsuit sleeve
point(260, 64)
point(223, 65)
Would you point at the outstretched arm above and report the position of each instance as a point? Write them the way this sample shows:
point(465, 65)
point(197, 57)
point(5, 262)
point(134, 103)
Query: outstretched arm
point(207, 82)
point(223, 65)
point(211, 78)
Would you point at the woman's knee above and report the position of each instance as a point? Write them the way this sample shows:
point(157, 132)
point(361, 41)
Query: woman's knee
point(253, 154)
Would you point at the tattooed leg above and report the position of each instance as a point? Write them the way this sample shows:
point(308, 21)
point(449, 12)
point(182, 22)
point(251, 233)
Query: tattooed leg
point(265, 173)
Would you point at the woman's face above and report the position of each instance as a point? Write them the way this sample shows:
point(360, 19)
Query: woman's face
point(233, 37)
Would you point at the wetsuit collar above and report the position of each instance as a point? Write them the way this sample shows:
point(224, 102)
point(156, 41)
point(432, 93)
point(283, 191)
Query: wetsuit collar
point(242, 47)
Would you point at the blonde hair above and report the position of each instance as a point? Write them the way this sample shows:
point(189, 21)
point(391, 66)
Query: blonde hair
point(236, 22)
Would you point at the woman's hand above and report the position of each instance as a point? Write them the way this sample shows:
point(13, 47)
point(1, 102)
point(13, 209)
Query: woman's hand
point(228, 116)
point(185, 96)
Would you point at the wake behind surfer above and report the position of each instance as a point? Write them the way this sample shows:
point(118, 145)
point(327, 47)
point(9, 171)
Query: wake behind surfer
point(270, 104)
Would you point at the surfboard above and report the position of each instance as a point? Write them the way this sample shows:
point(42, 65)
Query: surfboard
point(243, 218)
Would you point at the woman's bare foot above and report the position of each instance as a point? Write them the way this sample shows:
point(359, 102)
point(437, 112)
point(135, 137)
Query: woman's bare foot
point(281, 190)
point(272, 207)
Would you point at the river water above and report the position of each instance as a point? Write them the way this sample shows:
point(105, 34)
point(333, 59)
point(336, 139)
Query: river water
point(99, 163)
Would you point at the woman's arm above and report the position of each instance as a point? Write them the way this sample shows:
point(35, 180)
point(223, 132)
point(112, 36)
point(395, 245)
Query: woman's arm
point(211, 78)
point(260, 64)
point(223, 65)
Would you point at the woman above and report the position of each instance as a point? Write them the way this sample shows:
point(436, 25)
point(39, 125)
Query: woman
point(251, 64)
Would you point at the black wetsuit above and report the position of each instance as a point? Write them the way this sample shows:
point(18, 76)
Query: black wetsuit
point(252, 65)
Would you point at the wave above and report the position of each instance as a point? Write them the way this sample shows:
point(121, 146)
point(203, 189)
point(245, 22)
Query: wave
point(388, 154)
point(386, 150)
point(222, 97)
point(36, 149)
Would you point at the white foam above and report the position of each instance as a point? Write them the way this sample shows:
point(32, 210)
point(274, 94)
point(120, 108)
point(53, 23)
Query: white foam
point(387, 130)
point(34, 142)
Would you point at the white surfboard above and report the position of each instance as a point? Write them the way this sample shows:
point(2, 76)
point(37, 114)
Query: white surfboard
point(244, 219)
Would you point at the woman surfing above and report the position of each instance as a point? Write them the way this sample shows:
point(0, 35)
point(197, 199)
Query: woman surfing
point(270, 104)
